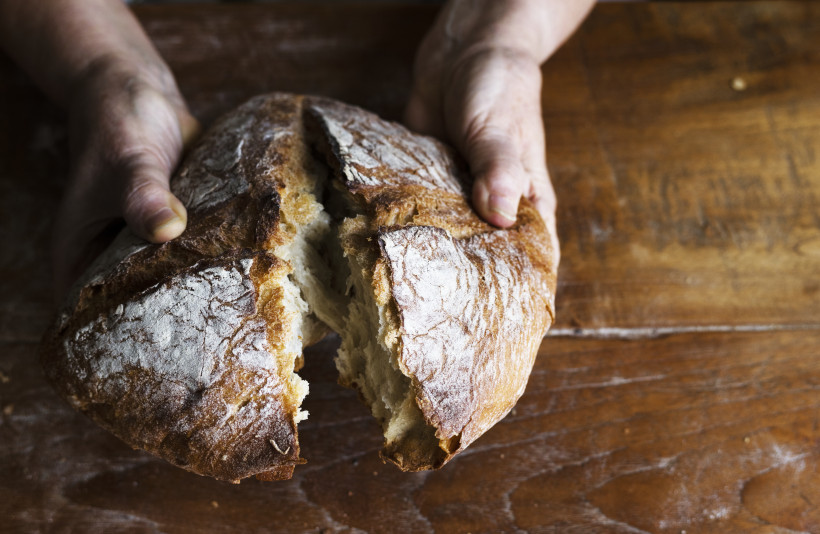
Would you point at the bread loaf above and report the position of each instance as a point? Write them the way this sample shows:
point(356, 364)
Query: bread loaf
point(306, 215)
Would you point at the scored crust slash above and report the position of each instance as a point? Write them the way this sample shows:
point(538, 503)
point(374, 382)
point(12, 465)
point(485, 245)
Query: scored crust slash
point(306, 215)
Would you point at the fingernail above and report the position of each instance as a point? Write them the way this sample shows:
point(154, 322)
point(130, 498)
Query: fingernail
point(178, 207)
point(168, 222)
point(504, 206)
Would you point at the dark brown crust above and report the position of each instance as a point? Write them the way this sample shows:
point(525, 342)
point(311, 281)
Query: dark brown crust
point(231, 185)
point(408, 178)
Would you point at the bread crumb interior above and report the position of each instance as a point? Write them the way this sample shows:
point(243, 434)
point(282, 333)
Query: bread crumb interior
point(279, 300)
point(334, 265)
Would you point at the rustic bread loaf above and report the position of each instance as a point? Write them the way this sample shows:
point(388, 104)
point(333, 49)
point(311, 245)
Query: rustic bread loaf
point(304, 214)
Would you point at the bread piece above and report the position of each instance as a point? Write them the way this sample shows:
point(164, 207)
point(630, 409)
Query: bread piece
point(448, 312)
point(304, 214)
point(188, 349)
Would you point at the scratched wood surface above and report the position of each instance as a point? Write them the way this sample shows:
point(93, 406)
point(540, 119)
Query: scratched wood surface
point(679, 390)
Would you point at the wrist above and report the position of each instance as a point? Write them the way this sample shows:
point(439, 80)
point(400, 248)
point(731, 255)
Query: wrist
point(522, 28)
point(61, 43)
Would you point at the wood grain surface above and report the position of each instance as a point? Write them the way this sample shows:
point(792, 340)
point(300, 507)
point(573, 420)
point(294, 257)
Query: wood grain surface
point(678, 391)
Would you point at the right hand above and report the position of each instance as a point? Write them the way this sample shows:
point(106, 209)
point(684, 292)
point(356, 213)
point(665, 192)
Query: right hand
point(127, 130)
point(128, 123)
point(477, 84)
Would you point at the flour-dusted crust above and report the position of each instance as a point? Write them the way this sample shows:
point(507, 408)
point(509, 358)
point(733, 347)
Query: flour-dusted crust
point(190, 387)
point(469, 303)
point(469, 362)
point(189, 349)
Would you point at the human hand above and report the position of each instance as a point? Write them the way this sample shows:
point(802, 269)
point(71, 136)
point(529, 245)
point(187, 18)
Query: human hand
point(127, 120)
point(478, 84)
point(127, 129)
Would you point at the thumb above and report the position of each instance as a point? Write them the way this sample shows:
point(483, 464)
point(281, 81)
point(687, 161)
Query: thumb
point(149, 208)
point(495, 163)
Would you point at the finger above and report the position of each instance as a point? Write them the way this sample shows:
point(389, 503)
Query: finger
point(495, 161)
point(79, 229)
point(493, 103)
point(543, 197)
point(148, 206)
point(74, 249)
point(541, 193)
point(90, 214)
point(534, 159)
point(189, 128)
point(150, 209)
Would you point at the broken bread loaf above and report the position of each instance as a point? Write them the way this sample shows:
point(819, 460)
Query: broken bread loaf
point(306, 215)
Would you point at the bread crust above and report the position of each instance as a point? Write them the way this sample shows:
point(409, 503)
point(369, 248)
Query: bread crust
point(238, 417)
point(471, 302)
point(188, 349)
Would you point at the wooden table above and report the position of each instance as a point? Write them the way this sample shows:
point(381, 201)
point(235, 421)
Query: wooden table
point(679, 389)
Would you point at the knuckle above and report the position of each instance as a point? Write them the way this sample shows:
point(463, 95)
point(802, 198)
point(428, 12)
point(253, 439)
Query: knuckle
point(140, 194)
point(503, 184)
point(137, 157)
